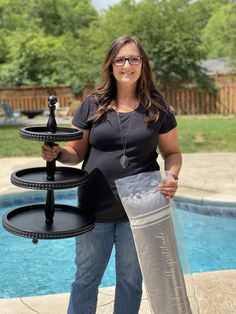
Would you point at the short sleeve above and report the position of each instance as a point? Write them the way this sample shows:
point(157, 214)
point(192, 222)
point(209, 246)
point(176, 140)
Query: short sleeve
point(85, 111)
point(168, 123)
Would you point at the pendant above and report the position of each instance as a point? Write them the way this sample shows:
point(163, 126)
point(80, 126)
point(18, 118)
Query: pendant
point(124, 161)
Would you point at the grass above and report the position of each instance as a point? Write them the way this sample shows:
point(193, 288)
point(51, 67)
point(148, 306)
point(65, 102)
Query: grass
point(197, 134)
point(12, 145)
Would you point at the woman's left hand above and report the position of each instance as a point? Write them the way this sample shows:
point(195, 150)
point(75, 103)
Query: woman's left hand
point(169, 187)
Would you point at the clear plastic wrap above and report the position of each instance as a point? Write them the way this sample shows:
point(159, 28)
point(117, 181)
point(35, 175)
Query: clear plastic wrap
point(150, 216)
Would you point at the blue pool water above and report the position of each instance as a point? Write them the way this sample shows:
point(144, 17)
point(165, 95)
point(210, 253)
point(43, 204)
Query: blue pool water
point(209, 241)
point(48, 267)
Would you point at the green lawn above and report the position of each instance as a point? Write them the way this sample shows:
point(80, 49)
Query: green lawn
point(196, 134)
point(207, 133)
point(12, 145)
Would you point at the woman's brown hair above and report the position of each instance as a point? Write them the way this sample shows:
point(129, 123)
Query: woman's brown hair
point(147, 93)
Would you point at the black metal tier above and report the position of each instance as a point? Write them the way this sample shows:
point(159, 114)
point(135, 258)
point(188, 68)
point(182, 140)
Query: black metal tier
point(41, 133)
point(36, 178)
point(68, 221)
point(29, 222)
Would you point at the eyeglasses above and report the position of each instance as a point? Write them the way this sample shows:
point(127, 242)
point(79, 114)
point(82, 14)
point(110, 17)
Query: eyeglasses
point(135, 60)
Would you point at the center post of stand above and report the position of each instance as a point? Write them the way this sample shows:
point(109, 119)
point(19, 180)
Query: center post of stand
point(51, 165)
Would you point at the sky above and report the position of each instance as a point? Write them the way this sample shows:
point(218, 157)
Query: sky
point(103, 4)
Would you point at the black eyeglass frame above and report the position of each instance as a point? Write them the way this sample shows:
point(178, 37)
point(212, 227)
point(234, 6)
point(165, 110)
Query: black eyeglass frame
point(124, 59)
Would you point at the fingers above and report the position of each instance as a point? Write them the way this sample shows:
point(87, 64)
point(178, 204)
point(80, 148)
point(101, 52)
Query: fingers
point(169, 189)
point(49, 153)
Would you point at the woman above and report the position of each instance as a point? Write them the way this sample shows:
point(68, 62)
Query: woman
point(123, 122)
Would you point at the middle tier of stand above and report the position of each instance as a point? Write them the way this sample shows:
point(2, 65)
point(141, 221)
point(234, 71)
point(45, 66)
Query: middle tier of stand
point(36, 178)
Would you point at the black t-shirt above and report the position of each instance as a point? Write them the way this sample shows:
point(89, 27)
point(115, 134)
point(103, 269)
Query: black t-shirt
point(102, 162)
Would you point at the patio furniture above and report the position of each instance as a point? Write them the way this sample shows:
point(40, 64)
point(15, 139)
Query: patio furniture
point(10, 114)
point(31, 113)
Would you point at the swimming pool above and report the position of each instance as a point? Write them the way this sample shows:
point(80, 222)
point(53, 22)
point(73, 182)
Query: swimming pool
point(48, 267)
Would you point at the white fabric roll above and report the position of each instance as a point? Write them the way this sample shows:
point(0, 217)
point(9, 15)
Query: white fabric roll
point(151, 221)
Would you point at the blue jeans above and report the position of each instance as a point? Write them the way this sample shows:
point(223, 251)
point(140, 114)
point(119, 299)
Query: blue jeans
point(93, 250)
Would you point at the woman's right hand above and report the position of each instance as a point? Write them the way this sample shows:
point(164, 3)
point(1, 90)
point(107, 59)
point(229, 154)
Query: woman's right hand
point(49, 153)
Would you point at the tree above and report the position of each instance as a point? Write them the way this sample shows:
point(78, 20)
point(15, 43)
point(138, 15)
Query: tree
point(3, 48)
point(32, 59)
point(57, 17)
point(218, 36)
point(167, 31)
point(14, 15)
point(165, 28)
point(171, 39)
point(202, 11)
point(64, 41)
point(40, 40)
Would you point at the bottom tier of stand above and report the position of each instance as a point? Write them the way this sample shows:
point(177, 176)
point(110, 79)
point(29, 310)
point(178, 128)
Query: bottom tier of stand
point(29, 222)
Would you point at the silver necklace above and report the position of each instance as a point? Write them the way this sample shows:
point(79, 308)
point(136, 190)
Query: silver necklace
point(124, 160)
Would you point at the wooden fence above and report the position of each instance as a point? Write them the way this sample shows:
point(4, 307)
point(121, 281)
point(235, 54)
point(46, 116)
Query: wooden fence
point(191, 101)
point(184, 101)
point(33, 98)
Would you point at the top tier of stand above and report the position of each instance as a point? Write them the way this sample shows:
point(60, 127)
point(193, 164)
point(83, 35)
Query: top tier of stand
point(40, 133)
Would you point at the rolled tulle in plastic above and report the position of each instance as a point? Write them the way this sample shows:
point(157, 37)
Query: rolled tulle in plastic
point(150, 217)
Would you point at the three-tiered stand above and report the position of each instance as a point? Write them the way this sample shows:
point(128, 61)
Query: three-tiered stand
point(49, 220)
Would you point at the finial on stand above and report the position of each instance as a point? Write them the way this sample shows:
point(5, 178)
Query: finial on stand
point(52, 124)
